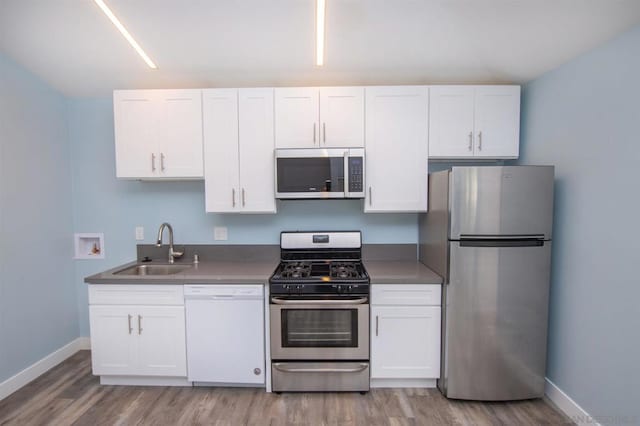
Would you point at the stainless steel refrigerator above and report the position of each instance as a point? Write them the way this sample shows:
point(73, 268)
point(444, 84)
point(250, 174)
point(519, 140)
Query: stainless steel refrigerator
point(488, 233)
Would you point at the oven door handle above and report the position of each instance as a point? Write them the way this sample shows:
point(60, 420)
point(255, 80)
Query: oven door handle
point(281, 301)
point(361, 367)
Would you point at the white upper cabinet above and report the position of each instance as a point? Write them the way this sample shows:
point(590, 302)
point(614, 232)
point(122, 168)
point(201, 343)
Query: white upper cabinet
point(451, 121)
point(474, 122)
point(326, 117)
point(158, 134)
point(497, 121)
point(180, 140)
point(221, 156)
point(257, 163)
point(238, 148)
point(296, 118)
point(396, 151)
point(341, 117)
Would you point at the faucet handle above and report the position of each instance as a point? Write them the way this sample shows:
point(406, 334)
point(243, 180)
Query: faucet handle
point(176, 254)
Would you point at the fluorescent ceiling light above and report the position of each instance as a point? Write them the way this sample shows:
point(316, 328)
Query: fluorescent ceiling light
point(320, 6)
point(125, 33)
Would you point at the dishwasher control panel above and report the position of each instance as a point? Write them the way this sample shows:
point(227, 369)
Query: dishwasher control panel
point(222, 290)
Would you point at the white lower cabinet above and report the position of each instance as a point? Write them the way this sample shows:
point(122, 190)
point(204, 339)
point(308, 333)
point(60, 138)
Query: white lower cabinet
point(405, 334)
point(142, 339)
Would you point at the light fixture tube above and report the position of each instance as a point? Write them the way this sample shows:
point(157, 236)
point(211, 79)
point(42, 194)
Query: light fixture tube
point(320, 12)
point(116, 22)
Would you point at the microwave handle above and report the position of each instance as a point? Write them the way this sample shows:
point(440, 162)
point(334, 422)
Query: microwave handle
point(346, 174)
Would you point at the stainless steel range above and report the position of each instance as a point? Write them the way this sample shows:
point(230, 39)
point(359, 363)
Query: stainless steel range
point(319, 312)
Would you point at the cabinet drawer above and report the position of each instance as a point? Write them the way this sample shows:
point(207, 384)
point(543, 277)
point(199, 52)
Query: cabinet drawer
point(125, 294)
point(406, 294)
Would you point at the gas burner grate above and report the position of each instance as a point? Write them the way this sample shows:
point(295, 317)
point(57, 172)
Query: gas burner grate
point(344, 270)
point(296, 270)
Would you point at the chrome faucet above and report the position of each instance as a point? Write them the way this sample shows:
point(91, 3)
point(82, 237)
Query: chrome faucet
point(173, 254)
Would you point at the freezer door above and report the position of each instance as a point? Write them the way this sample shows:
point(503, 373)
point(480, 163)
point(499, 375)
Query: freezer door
point(502, 200)
point(495, 321)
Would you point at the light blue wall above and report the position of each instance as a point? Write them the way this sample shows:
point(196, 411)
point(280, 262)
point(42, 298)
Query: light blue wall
point(104, 204)
point(584, 117)
point(38, 308)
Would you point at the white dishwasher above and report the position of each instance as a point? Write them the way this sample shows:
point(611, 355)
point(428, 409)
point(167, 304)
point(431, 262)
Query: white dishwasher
point(225, 334)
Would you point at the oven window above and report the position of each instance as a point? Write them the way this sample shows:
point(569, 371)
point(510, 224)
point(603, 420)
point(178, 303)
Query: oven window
point(320, 328)
point(324, 174)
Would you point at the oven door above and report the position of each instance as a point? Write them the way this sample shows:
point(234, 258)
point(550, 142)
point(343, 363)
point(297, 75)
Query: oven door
point(319, 329)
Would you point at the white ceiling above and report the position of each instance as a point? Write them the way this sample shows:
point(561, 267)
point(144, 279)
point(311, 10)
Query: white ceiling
point(237, 43)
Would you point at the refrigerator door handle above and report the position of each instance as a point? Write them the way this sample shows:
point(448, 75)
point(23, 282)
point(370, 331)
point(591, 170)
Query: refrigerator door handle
point(525, 242)
point(502, 237)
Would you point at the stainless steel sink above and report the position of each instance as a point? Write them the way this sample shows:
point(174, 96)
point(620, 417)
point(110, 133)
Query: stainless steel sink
point(152, 270)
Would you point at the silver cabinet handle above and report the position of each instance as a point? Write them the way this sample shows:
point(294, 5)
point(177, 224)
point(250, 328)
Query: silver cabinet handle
point(370, 197)
point(233, 197)
point(479, 141)
point(153, 162)
point(130, 328)
point(324, 133)
point(243, 198)
point(281, 367)
point(162, 161)
point(376, 325)
point(314, 133)
point(139, 324)
point(470, 141)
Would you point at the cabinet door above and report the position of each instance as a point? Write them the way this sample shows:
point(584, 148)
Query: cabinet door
point(220, 115)
point(451, 115)
point(341, 117)
point(136, 124)
point(497, 121)
point(161, 340)
point(296, 117)
point(180, 123)
point(113, 342)
point(396, 149)
point(405, 342)
point(257, 186)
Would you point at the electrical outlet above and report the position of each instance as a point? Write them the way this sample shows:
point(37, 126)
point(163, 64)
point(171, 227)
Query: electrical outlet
point(139, 233)
point(220, 233)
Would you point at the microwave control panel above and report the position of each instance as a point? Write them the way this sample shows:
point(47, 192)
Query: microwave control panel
point(355, 174)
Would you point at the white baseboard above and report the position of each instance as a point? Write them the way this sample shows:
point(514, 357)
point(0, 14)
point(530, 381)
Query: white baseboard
point(14, 383)
point(84, 343)
point(144, 381)
point(567, 405)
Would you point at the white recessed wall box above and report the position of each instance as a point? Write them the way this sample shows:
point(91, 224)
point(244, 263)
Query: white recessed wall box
point(89, 246)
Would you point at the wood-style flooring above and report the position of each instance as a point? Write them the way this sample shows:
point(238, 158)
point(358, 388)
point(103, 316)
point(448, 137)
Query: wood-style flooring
point(70, 395)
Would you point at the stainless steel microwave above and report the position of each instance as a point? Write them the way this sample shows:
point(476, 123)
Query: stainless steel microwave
point(320, 173)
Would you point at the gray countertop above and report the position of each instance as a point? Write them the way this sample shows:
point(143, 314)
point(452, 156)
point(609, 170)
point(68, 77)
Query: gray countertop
point(400, 272)
point(259, 271)
point(205, 272)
